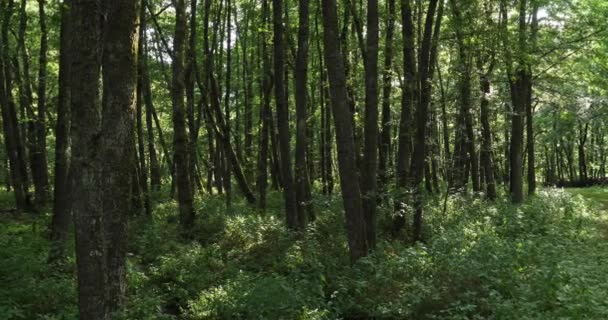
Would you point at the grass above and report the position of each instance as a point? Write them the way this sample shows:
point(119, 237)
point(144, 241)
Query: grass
point(598, 194)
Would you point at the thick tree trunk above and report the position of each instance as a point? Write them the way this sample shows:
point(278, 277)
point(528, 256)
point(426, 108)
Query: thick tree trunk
point(117, 150)
point(349, 182)
point(87, 203)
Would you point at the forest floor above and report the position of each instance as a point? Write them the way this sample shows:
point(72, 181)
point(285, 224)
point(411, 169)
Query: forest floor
point(545, 259)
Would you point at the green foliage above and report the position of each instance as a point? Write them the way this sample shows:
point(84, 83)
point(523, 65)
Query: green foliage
point(29, 288)
point(541, 260)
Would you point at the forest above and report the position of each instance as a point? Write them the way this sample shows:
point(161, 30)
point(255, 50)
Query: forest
point(303, 159)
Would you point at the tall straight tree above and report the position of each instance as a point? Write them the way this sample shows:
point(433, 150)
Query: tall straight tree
point(180, 136)
point(87, 205)
point(40, 155)
point(347, 157)
point(12, 134)
point(418, 158)
point(117, 149)
point(283, 114)
point(387, 78)
point(408, 97)
point(262, 165)
point(301, 77)
point(61, 214)
point(370, 157)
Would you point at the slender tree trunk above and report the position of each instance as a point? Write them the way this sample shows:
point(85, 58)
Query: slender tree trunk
point(180, 136)
point(418, 158)
point(143, 170)
point(582, 162)
point(486, 138)
point(12, 137)
point(41, 172)
point(404, 153)
point(227, 176)
point(303, 199)
point(370, 161)
point(155, 172)
point(61, 205)
point(387, 78)
point(264, 134)
point(283, 115)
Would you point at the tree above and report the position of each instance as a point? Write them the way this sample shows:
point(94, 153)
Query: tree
point(347, 163)
point(283, 115)
point(180, 136)
point(303, 200)
point(61, 202)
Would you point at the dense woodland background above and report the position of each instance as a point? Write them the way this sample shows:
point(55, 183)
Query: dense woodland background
point(283, 159)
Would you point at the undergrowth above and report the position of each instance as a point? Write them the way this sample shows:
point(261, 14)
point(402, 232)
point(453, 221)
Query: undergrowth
point(545, 259)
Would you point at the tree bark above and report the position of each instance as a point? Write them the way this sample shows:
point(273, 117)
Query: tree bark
point(180, 136)
point(351, 192)
point(87, 204)
point(283, 115)
point(387, 78)
point(41, 176)
point(117, 149)
point(303, 200)
point(61, 203)
point(370, 160)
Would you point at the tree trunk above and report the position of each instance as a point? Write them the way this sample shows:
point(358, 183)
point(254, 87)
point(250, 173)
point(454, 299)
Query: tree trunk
point(418, 158)
point(387, 78)
point(87, 204)
point(351, 192)
point(12, 138)
point(41, 177)
point(303, 200)
point(180, 136)
point(117, 150)
point(408, 96)
point(370, 160)
point(60, 223)
point(283, 115)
